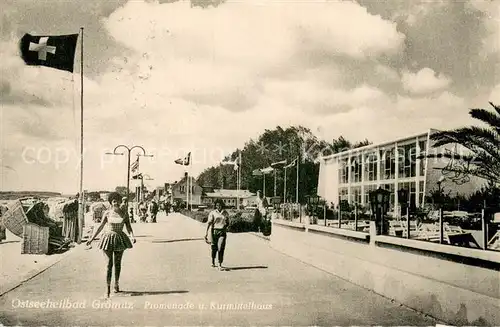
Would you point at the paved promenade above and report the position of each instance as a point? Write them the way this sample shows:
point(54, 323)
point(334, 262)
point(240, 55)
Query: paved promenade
point(167, 279)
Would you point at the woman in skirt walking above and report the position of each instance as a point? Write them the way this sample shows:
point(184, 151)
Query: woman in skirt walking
point(114, 241)
point(217, 224)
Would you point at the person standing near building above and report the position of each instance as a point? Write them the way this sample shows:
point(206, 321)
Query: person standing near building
point(153, 210)
point(114, 241)
point(217, 224)
point(167, 207)
point(260, 212)
point(143, 211)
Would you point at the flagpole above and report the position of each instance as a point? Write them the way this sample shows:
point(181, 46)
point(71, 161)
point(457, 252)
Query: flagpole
point(297, 183)
point(264, 191)
point(284, 189)
point(187, 189)
point(275, 182)
point(82, 197)
point(190, 184)
point(238, 182)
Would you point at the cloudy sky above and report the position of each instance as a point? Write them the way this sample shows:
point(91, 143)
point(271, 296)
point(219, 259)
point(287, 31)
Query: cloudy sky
point(179, 76)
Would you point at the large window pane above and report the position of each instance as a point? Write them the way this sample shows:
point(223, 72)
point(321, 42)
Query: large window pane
point(356, 169)
point(368, 189)
point(343, 194)
point(371, 166)
point(421, 150)
point(411, 188)
point(355, 195)
point(343, 171)
point(388, 162)
point(390, 187)
point(407, 155)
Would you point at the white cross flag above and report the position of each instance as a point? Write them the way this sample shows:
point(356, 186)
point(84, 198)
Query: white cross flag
point(55, 51)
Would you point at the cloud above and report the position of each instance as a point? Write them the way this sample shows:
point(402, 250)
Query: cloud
point(315, 98)
point(491, 18)
point(495, 95)
point(424, 81)
point(458, 39)
point(21, 84)
point(231, 31)
point(398, 118)
point(175, 78)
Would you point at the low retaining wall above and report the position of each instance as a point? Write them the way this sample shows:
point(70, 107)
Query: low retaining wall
point(453, 292)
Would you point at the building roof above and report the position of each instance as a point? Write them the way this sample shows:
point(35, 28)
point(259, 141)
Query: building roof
point(381, 144)
point(223, 193)
point(184, 179)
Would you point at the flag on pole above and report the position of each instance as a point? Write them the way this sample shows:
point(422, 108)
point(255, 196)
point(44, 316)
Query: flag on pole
point(138, 176)
point(292, 164)
point(237, 163)
point(262, 171)
point(267, 170)
point(55, 51)
point(278, 163)
point(234, 163)
point(134, 167)
point(257, 172)
point(184, 161)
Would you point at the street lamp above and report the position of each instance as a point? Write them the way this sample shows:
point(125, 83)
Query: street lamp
point(379, 202)
point(403, 197)
point(129, 150)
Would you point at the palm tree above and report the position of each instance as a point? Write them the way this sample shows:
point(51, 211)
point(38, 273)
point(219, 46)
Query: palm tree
point(483, 143)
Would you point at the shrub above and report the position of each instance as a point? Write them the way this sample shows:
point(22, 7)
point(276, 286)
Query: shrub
point(242, 221)
point(201, 216)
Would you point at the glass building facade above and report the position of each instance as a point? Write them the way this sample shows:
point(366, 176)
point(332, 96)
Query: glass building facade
point(392, 166)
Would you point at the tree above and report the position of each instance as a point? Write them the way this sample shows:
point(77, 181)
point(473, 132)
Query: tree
point(274, 146)
point(483, 143)
point(122, 190)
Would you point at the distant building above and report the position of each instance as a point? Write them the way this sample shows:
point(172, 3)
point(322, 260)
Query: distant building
point(179, 191)
point(393, 165)
point(229, 197)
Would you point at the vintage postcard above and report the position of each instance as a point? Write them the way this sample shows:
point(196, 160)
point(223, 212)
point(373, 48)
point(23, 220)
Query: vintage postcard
point(249, 163)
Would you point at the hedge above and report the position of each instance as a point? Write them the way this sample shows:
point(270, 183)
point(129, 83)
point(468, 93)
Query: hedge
point(239, 221)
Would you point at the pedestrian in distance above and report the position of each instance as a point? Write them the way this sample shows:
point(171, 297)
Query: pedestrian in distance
point(217, 224)
point(143, 212)
point(167, 207)
point(114, 241)
point(153, 210)
point(131, 215)
point(260, 213)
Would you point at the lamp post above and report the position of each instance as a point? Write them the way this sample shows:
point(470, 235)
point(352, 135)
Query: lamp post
point(441, 223)
point(379, 202)
point(129, 150)
point(405, 205)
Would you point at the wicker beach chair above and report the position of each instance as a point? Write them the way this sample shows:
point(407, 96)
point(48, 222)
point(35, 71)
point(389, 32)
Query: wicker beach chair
point(35, 238)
